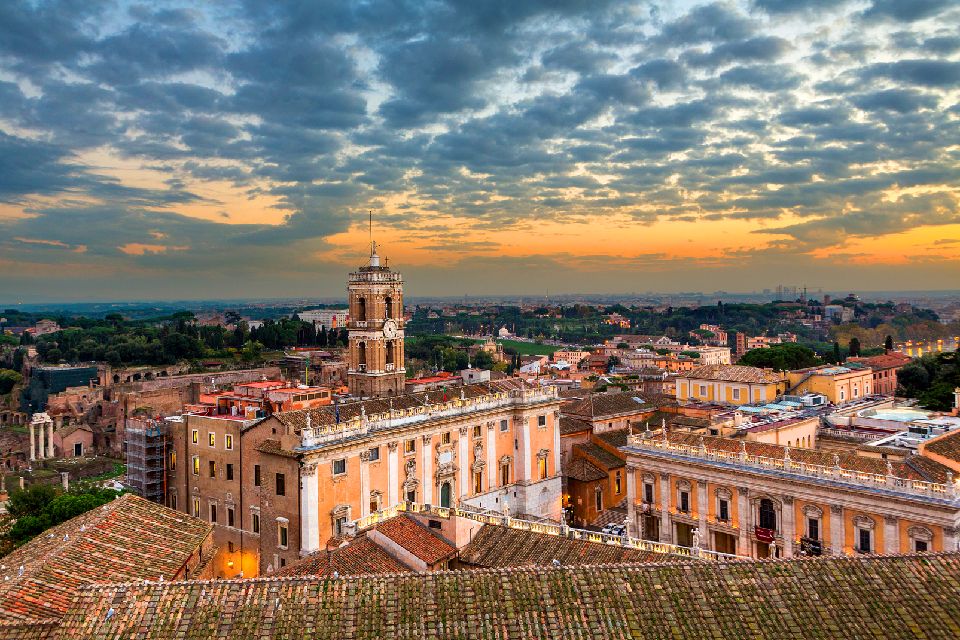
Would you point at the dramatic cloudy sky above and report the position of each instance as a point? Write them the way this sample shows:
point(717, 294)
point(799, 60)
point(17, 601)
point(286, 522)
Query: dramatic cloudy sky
point(225, 149)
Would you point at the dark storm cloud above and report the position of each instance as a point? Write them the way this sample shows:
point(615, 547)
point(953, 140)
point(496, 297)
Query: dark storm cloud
point(493, 113)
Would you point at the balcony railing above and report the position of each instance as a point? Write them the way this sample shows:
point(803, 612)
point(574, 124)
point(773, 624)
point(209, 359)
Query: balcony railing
point(743, 459)
point(361, 425)
point(540, 527)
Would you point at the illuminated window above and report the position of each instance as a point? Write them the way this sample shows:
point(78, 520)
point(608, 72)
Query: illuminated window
point(617, 484)
point(212, 439)
point(477, 431)
point(173, 461)
point(478, 482)
point(445, 437)
point(409, 446)
point(196, 507)
point(195, 436)
point(228, 441)
point(196, 465)
point(542, 466)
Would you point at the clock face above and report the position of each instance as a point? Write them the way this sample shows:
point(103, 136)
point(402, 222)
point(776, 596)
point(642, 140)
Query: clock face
point(389, 329)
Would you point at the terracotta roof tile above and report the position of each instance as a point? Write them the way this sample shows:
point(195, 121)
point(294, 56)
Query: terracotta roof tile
point(733, 373)
point(417, 539)
point(360, 556)
point(570, 425)
point(127, 539)
point(599, 456)
point(603, 405)
point(868, 598)
point(946, 445)
point(583, 471)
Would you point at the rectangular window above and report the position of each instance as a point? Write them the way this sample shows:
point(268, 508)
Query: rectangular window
point(617, 484)
point(865, 542)
point(173, 501)
point(736, 394)
point(477, 431)
point(230, 516)
point(412, 495)
point(196, 507)
point(195, 436)
point(228, 441)
point(724, 515)
point(504, 475)
point(374, 454)
point(504, 425)
point(445, 437)
point(213, 469)
point(648, 493)
point(196, 465)
point(478, 482)
point(229, 471)
point(409, 446)
point(703, 390)
point(920, 546)
point(684, 502)
point(256, 475)
point(339, 524)
point(542, 466)
point(255, 522)
point(213, 513)
point(281, 485)
point(813, 528)
point(282, 535)
point(173, 461)
point(212, 439)
point(542, 421)
point(339, 467)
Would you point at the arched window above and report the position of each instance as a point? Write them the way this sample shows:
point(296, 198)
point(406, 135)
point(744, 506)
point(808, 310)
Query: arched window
point(388, 307)
point(390, 348)
point(768, 515)
point(361, 308)
point(445, 494)
point(598, 495)
point(361, 353)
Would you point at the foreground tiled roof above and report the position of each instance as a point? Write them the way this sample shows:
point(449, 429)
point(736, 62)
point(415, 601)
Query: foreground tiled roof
point(825, 598)
point(494, 546)
point(570, 425)
point(947, 445)
point(599, 456)
point(417, 539)
point(127, 539)
point(584, 471)
point(603, 405)
point(733, 373)
point(884, 360)
point(359, 557)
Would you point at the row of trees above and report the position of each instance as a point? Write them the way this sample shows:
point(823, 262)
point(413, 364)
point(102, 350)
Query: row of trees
point(931, 379)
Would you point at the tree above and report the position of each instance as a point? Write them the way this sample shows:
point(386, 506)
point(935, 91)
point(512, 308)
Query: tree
point(854, 347)
point(836, 352)
point(787, 356)
point(8, 380)
point(888, 343)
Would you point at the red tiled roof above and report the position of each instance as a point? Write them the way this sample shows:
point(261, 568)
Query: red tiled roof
point(599, 456)
point(868, 598)
point(360, 556)
point(733, 373)
point(946, 445)
point(497, 547)
point(127, 539)
point(417, 539)
point(584, 471)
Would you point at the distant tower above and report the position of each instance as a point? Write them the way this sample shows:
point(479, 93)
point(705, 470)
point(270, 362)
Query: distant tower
point(375, 365)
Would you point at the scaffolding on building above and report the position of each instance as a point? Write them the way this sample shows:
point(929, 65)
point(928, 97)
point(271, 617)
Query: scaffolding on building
point(148, 448)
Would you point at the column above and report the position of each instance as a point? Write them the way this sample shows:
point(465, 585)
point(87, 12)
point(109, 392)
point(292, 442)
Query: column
point(33, 443)
point(525, 447)
point(393, 474)
point(491, 457)
point(364, 483)
point(743, 522)
point(464, 463)
point(50, 453)
point(702, 510)
point(427, 466)
point(309, 509)
point(666, 533)
point(632, 529)
point(891, 535)
point(556, 444)
point(789, 526)
point(837, 532)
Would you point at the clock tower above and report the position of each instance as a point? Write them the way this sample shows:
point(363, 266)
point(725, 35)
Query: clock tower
point(375, 365)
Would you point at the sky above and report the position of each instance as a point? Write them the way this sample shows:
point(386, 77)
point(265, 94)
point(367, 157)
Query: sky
point(172, 150)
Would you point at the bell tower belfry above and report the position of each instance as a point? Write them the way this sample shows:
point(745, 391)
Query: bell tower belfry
point(375, 364)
